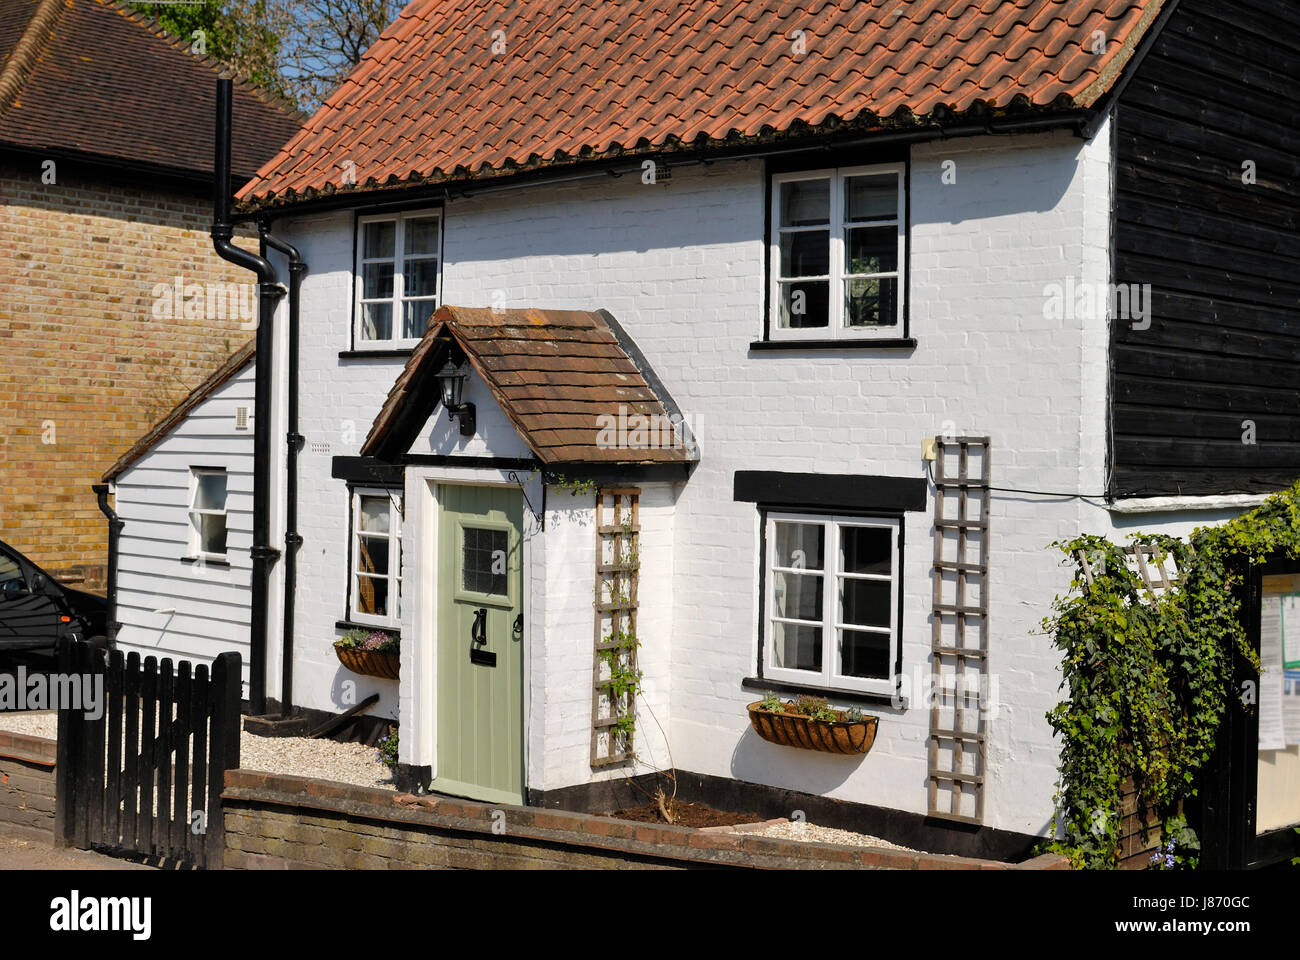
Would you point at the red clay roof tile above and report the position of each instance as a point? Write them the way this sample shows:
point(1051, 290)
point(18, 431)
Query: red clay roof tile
point(431, 101)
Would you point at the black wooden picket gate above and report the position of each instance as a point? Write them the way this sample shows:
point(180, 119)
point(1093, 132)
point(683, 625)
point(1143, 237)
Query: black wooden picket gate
point(146, 775)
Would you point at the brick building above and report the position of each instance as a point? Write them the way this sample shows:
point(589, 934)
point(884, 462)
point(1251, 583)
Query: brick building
point(105, 200)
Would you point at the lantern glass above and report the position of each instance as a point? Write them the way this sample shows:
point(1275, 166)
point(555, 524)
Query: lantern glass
point(452, 384)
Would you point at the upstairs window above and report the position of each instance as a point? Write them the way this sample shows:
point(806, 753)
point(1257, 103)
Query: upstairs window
point(399, 276)
point(838, 250)
point(208, 513)
point(376, 587)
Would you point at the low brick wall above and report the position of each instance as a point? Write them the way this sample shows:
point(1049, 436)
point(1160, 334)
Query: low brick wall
point(292, 822)
point(26, 785)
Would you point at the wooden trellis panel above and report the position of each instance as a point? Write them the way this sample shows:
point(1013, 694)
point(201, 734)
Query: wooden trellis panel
point(959, 638)
point(1157, 569)
point(618, 567)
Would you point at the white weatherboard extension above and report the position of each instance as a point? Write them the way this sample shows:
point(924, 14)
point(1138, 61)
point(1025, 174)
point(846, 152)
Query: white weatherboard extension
point(682, 266)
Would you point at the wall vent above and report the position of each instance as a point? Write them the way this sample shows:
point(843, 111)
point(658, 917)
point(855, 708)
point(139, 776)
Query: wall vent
point(319, 447)
point(241, 418)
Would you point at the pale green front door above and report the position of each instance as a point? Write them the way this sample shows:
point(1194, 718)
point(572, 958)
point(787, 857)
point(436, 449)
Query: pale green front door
point(480, 644)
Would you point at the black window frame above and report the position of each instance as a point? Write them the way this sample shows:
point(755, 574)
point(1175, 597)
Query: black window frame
point(837, 158)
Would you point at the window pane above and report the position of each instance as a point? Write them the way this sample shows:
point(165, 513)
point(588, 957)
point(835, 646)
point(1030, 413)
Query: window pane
point(379, 240)
point(805, 203)
point(865, 603)
point(9, 569)
point(212, 532)
point(484, 561)
point(871, 303)
point(871, 198)
point(806, 254)
point(864, 655)
point(804, 304)
point(797, 596)
point(871, 250)
point(375, 513)
point(210, 491)
point(378, 281)
point(372, 596)
point(796, 646)
point(415, 317)
point(376, 321)
point(866, 550)
point(372, 555)
point(799, 546)
point(420, 278)
point(421, 236)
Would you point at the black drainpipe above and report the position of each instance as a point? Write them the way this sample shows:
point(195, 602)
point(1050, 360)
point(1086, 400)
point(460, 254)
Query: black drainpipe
point(294, 441)
point(115, 525)
point(262, 553)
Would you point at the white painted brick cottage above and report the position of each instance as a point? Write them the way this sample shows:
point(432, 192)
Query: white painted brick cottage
point(812, 261)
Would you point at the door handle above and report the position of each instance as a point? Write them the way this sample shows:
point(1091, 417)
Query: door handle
point(478, 640)
point(518, 628)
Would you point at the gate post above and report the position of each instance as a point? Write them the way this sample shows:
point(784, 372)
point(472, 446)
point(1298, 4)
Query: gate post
point(67, 757)
point(223, 706)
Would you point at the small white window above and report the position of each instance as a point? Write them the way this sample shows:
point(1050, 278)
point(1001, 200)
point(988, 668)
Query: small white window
point(208, 513)
point(831, 603)
point(399, 277)
point(376, 587)
point(838, 250)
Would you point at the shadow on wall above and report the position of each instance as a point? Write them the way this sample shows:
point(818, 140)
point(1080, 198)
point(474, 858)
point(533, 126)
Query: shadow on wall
point(757, 761)
point(1005, 186)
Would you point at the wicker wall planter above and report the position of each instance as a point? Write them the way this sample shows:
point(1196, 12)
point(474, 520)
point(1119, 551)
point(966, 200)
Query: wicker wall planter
point(369, 663)
point(827, 736)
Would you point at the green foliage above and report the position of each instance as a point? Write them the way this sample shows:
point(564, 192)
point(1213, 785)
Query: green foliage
point(771, 703)
point(574, 487)
point(624, 680)
point(1149, 683)
point(388, 748)
point(238, 33)
point(814, 708)
point(363, 638)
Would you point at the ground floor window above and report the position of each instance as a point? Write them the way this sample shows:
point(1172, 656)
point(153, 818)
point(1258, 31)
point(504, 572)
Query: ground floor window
point(208, 513)
point(376, 581)
point(831, 600)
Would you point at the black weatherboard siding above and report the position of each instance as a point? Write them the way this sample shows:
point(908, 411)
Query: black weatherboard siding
point(1218, 89)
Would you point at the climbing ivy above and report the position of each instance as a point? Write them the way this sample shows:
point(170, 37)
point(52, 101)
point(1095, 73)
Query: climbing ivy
point(1150, 682)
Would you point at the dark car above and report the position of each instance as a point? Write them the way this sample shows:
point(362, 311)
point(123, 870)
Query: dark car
point(36, 610)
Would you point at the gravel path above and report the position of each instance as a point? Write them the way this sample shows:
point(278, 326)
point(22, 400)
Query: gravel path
point(811, 833)
point(320, 759)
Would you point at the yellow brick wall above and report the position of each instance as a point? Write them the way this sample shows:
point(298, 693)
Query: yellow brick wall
point(85, 368)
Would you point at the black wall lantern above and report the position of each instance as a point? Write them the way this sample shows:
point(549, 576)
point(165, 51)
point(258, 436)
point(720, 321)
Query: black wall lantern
point(451, 384)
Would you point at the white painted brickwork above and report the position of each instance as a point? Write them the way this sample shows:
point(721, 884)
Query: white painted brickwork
point(681, 266)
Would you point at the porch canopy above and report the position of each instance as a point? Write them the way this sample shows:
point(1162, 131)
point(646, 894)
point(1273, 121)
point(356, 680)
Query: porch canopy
point(571, 382)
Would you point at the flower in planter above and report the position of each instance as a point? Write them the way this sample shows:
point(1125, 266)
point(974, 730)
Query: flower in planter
point(375, 641)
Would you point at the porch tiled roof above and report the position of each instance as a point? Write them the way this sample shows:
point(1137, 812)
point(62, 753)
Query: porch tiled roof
point(555, 374)
point(433, 101)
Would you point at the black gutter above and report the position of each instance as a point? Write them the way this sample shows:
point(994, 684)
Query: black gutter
point(262, 553)
point(293, 444)
point(115, 525)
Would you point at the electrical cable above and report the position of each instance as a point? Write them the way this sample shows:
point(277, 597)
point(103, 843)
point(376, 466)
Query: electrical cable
point(1086, 497)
